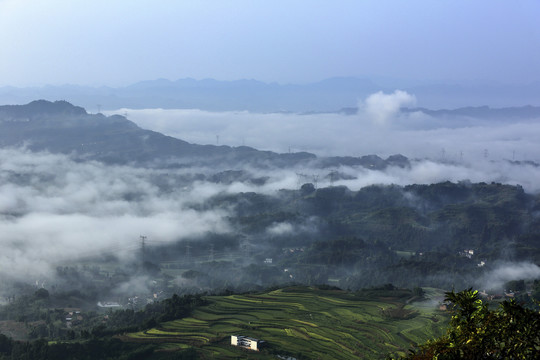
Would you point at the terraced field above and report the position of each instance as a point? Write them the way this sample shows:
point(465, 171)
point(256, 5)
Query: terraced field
point(301, 322)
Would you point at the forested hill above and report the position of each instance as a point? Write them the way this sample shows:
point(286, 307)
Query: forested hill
point(441, 235)
point(60, 127)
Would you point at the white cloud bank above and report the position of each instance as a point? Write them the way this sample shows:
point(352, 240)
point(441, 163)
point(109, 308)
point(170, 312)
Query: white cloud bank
point(53, 210)
point(378, 128)
point(447, 149)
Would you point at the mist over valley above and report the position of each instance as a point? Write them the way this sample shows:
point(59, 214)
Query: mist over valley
point(86, 187)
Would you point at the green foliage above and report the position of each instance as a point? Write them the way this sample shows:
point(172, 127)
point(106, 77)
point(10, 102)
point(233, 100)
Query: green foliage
point(173, 308)
point(515, 285)
point(536, 290)
point(341, 251)
point(307, 189)
point(303, 322)
point(398, 313)
point(106, 349)
point(418, 291)
point(476, 332)
point(432, 223)
point(41, 294)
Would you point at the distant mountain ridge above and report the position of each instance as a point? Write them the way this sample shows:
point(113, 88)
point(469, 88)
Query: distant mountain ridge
point(257, 96)
point(478, 112)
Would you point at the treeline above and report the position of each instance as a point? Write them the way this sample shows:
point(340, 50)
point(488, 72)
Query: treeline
point(128, 320)
point(47, 321)
point(104, 349)
point(98, 342)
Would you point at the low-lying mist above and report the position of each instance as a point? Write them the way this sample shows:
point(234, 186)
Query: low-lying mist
point(57, 209)
point(504, 272)
point(53, 210)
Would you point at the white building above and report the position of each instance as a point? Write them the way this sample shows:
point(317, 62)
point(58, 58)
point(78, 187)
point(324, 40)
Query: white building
point(108, 304)
point(246, 342)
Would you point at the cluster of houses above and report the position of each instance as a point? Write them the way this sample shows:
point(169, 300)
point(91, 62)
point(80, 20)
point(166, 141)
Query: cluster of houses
point(73, 317)
point(469, 253)
point(293, 250)
point(507, 294)
point(501, 295)
point(134, 302)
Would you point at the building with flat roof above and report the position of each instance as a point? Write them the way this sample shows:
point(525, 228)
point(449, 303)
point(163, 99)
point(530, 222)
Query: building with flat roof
point(246, 342)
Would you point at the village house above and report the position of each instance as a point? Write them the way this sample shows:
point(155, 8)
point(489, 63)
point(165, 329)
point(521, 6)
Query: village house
point(246, 342)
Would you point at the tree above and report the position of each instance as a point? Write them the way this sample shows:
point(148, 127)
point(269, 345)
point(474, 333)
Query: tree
point(41, 294)
point(475, 332)
point(418, 291)
point(515, 285)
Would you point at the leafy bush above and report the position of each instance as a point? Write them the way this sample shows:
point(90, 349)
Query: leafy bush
point(509, 332)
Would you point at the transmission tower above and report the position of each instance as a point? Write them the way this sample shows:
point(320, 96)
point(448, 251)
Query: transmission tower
point(333, 176)
point(143, 246)
point(211, 257)
point(244, 248)
point(300, 178)
point(315, 180)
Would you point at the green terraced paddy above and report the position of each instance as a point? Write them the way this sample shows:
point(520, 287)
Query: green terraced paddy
point(319, 324)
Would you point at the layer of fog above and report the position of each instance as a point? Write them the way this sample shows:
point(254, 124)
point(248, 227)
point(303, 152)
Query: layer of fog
point(379, 128)
point(54, 210)
point(505, 272)
point(453, 149)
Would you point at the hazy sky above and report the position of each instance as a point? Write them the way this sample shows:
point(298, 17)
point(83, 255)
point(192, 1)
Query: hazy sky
point(121, 42)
